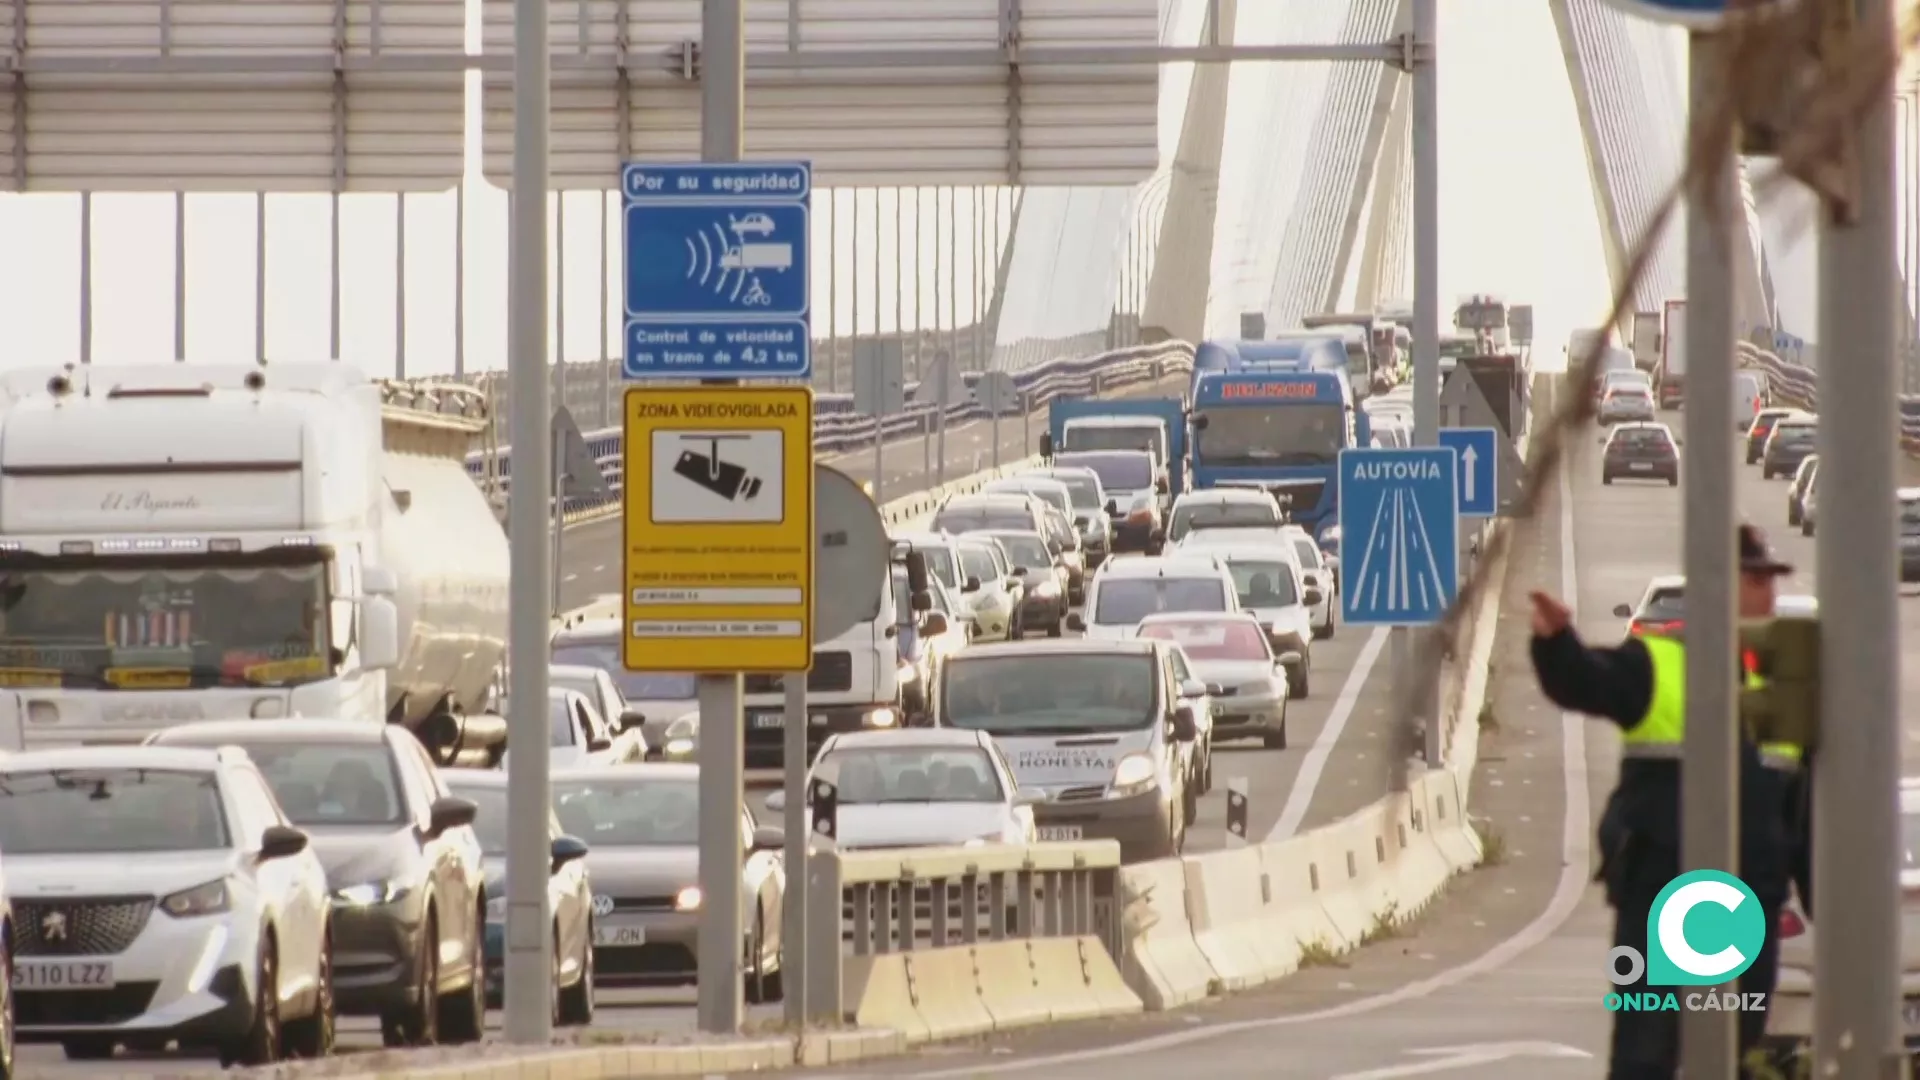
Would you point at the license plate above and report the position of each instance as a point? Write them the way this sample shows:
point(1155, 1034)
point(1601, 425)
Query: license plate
point(71, 975)
point(1059, 832)
point(619, 936)
point(765, 720)
point(1642, 466)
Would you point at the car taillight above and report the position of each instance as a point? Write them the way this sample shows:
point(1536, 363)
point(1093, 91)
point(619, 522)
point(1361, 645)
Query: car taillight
point(1791, 924)
point(1657, 628)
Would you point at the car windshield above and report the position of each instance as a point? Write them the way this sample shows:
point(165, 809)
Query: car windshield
point(1063, 692)
point(328, 783)
point(1640, 438)
point(1213, 640)
point(1263, 584)
point(1025, 549)
point(1294, 433)
point(606, 656)
point(940, 563)
point(1125, 601)
point(1198, 516)
point(1795, 433)
point(980, 519)
point(1117, 472)
point(864, 776)
point(164, 622)
point(1665, 605)
point(630, 812)
point(1309, 552)
point(1083, 490)
point(1114, 437)
point(1047, 494)
point(118, 811)
point(490, 824)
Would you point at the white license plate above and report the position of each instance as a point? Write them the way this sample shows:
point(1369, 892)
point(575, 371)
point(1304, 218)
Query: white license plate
point(1059, 832)
point(61, 975)
point(765, 720)
point(620, 936)
point(1642, 466)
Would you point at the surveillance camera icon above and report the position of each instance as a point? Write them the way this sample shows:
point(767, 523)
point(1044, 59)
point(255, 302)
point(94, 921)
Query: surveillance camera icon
point(723, 478)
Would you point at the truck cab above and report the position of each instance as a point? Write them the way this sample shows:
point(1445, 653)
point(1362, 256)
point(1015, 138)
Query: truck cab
point(1281, 431)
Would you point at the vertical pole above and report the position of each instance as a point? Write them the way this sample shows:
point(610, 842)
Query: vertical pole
point(982, 345)
point(1857, 1032)
point(460, 280)
point(260, 276)
point(86, 277)
point(793, 924)
point(559, 389)
point(723, 101)
point(833, 291)
point(529, 947)
point(1426, 295)
point(953, 343)
point(333, 275)
point(400, 285)
point(179, 276)
point(606, 314)
point(1710, 836)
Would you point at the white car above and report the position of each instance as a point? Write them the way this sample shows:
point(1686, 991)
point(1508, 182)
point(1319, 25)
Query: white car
point(1273, 588)
point(926, 638)
point(1128, 590)
point(921, 787)
point(1201, 511)
point(1319, 578)
point(578, 735)
point(598, 687)
point(159, 894)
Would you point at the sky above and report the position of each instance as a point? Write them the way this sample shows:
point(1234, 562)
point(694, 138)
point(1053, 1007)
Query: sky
point(1517, 220)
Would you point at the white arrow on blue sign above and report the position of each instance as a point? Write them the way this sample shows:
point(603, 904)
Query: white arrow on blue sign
point(1700, 14)
point(1478, 451)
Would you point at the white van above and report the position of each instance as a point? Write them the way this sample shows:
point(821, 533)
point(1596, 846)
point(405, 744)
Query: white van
point(1749, 397)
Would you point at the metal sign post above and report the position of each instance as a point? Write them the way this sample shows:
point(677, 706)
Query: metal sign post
point(529, 944)
point(1426, 302)
point(880, 391)
point(1857, 1025)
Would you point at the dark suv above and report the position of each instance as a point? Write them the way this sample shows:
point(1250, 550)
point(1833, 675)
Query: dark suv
point(1640, 452)
point(1762, 427)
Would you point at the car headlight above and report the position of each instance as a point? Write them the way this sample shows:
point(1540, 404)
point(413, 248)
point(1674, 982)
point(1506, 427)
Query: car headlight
point(1046, 587)
point(369, 894)
point(497, 909)
point(1133, 774)
point(208, 899)
point(679, 746)
point(687, 899)
point(879, 718)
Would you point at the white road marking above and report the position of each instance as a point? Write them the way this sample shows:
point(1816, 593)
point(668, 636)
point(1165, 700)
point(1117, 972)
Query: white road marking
point(1572, 885)
point(1315, 763)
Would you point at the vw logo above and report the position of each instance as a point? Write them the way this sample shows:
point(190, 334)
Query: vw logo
point(603, 905)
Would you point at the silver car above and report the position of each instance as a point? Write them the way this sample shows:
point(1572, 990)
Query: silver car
point(1625, 403)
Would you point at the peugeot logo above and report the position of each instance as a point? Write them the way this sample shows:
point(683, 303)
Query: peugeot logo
point(53, 926)
point(603, 904)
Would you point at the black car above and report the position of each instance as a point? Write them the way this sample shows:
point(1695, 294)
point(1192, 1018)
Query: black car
point(1792, 442)
point(1640, 452)
point(1762, 427)
point(403, 867)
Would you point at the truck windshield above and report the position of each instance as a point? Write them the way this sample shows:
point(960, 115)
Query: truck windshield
point(1116, 437)
point(1282, 435)
point(163, 624)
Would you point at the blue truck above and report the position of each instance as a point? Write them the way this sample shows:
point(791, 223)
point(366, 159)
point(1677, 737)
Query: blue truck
point(1298, 351)
point(1155, 424)
point(1279, 430)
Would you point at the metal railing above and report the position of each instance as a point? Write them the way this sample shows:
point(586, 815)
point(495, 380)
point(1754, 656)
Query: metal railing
point(837, 428)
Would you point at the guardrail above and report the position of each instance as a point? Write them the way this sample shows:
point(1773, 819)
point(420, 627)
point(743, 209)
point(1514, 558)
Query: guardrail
point(948, 943)
point(1799, 386)
point(836, 428)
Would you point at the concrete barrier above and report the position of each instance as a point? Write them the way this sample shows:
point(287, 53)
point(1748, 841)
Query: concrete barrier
point(1161, 959)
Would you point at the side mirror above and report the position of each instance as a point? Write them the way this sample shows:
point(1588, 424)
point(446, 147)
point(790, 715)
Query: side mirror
point(1027, 798)
point(1113, 506)
point(1185, 727)
point(776, 802)
point(1075, 623)
point(1193, 688)
point(1290, 658)
point(379, 633)
point(1622, 611)
point(379, 581)
point(1200, 422)
point(1215, 688)
point(923, 601)
point(934, 624)
point(1679, 442)
point(1160, 485)
point(1602, 440)
point(769, 838)
point(566, 849)
point(598, 743)
point(972, 584)
point(1018, 571)
point(280, 842)
point(1314, 596)
point(1046, 444)
point(450, 812)
point(1055, 547)
point(632, 718)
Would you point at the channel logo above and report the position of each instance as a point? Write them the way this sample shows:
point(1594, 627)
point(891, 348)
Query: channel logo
point(1706, 928)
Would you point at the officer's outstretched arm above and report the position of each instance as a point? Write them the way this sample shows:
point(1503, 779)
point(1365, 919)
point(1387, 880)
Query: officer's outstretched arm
point(1614, 683)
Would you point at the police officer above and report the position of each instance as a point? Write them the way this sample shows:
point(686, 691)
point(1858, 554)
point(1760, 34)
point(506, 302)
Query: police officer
point(1641, 686)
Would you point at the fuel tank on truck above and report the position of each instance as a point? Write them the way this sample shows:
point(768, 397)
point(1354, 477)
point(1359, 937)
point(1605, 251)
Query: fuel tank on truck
point(448, 554)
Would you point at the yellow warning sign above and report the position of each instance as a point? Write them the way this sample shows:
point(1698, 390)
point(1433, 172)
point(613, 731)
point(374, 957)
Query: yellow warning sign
point(718, 495)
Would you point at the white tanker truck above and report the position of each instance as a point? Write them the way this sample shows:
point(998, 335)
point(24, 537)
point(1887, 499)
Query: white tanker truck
point(182, 542)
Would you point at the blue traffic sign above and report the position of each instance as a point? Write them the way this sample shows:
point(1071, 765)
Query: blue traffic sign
point(717, 279)
point(1477, 449)
point(1698, 14)
point(1399, 535)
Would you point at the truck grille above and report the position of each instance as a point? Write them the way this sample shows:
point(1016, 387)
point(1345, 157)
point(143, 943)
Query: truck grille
point(96, 927)
point(832, 673)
